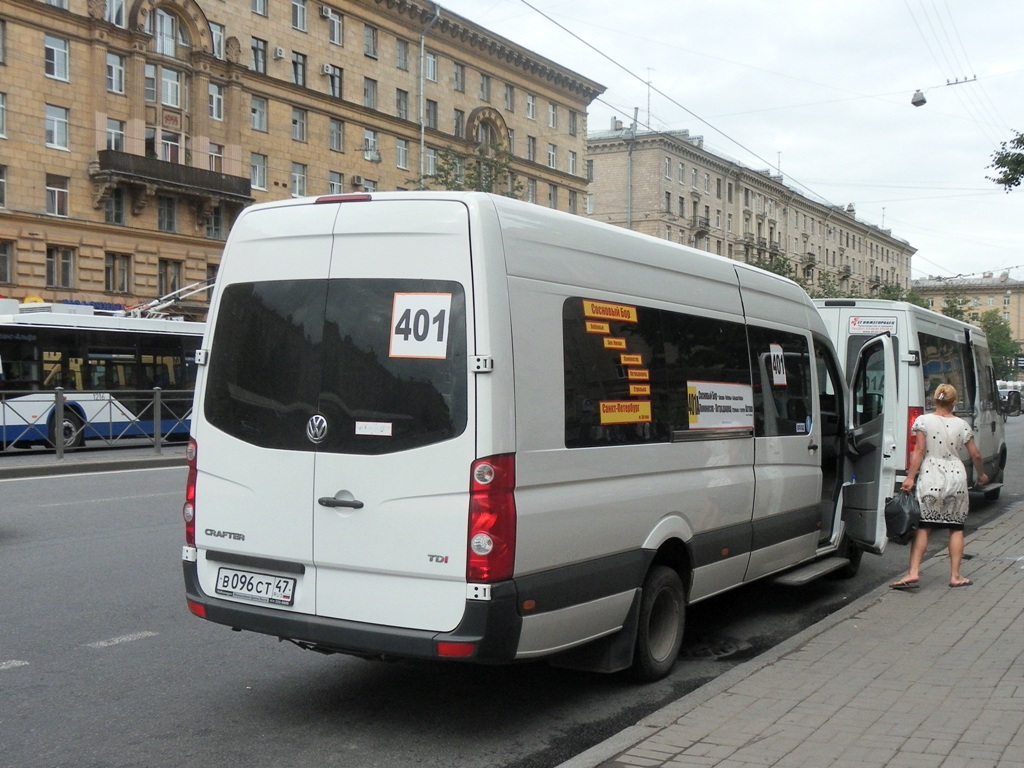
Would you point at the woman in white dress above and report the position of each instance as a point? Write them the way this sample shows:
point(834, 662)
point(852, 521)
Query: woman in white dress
point(942, 490)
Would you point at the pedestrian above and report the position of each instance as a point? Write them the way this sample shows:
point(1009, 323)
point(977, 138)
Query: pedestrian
point(942, 490)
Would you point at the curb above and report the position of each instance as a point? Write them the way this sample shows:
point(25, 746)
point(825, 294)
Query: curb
point(56, 468)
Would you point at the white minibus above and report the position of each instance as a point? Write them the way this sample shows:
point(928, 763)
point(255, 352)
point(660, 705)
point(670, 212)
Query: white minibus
point(456, 426)
point(928, 349)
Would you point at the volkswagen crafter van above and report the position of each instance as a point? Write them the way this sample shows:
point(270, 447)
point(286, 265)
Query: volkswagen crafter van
point(929, 349)
point(458, 426)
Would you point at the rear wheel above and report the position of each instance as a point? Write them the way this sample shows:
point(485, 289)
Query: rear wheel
point(662, 620)
point(70, 431)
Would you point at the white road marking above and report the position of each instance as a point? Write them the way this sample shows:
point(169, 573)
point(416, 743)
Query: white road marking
point(123, 639)
point(5, 665)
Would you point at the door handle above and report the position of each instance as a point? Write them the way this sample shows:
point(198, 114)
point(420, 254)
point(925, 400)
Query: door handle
point(330, 501)
point(812, 446)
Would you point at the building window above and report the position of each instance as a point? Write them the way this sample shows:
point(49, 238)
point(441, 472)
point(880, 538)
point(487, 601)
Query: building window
point(531, 148)
point(216, 104)
point(114, 13)
point(116, 272)
point(572, 201)
point(299, 69)
point(335, 27)
point(510, 98)
point(170, 146)
point(168, 33)
point(572, 163)
point(511, 141)
point(259, 113)
point(299, 15)
point(115, 73)
point(552, 116)
point(552, 156)
point(588, 203)
point(6, 259)
point(298, 179)
point(667, 167)
point(57, 57)
point(590, 170)
point(3, 41)
point(215, 224)
point(217, 41)
point(113, 207)
point(460, 77)
point(3, 114)
point(336, 135)
point(60, 267)
point(259, 56)
point(431, 162)
point(259, 7)
point(57, 195)
point(531, 190)
point(335, 183)
point(149, 83)
point(402, 154)
point(299, 118)
point(369, 93)
point(431, 114)
point(402, 55)
point(115, 135)
point(3, 186)
point(168, 276)
point(334, 80)
point(402, 104)
point(370, 41)
point(166, 215)
point(258, 171)
point(531, 106)
point(216, 158)
point(370, 145)
point(430, 70)
point(707, 182)
point(485, 87)
point(170, 87)
point(459, 126)
point(573, 126)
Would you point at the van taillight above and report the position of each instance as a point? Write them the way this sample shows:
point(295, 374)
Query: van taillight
point(188, 511)
point(492, 519)
point(912, 414)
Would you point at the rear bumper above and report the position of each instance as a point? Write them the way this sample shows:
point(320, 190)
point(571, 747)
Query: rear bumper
point(492, 626)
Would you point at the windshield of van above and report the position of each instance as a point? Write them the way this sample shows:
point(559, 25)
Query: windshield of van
point(382, 361)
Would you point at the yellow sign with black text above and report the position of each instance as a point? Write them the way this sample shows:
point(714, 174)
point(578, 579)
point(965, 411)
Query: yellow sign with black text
point(625, 411)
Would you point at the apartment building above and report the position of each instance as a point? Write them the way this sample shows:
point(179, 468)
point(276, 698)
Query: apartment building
point(666, 184)
point(132, 133)
point(977, 295)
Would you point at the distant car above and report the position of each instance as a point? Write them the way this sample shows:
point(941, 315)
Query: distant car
point(1010, 402)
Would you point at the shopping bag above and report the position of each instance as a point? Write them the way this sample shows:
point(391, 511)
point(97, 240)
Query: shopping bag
point(902, 517)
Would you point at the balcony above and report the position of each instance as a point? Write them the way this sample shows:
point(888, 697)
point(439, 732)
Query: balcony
point(701, 226)
point(146, 177)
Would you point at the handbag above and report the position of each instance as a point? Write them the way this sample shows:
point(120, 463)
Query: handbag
point(902, 517)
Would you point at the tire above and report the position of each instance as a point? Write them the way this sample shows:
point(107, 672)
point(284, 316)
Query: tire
point(662, 621)
point(71, 431)
point(854, 554)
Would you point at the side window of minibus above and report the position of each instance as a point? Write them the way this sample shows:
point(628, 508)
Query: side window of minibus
point(781, 362)
point(868, 388)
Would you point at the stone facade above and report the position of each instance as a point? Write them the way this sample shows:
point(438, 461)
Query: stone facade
point(978, 295)
point(133, 133)
point(666, 184)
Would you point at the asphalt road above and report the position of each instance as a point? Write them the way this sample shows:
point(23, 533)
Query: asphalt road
point(102, 665)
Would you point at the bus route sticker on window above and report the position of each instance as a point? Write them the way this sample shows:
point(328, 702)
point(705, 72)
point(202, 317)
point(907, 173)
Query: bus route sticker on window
point(778, 361)
point(419, 325)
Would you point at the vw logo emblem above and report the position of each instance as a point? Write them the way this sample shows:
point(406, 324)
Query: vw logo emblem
point(316, 428)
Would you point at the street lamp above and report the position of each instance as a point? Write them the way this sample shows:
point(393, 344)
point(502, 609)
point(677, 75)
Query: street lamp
point(918, 99)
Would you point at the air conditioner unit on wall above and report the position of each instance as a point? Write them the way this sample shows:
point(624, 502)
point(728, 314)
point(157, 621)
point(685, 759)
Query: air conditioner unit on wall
point(327, 69)
point(279, 52)
point(357, 181)
point(325, 11)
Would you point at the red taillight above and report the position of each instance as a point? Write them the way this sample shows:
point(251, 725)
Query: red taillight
point(188, 511)
point(912, 414)
point(196, 609)
point(455, 650)
point(492, 519)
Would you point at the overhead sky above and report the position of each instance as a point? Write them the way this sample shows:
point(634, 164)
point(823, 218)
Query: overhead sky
point(821, 92)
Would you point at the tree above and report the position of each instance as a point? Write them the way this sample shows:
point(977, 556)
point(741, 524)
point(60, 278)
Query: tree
point(1009, 162)
point(1000, 343)
point(486, 170)
point(778, 265)
point(954, 303)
